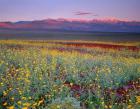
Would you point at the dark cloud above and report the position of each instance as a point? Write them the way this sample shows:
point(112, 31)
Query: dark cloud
point(81, 13)
point(84, 13)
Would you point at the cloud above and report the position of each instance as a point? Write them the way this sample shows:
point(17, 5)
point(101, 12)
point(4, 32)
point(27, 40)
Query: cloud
point(84, 13)
point(95, 15)
point(81, 13)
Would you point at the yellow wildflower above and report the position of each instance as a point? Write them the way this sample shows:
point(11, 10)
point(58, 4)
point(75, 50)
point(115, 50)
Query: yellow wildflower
point(40, 102)
point(12, 98)
point(129, 106)
point(34, 104)
point(4, 93)
point(11, 107)
point(23, 98)
point(19, 102)
point(25, 108)
point(110, 106)
point(58, 106)
point(5, 103)
point(138, 99)
point(26, 104)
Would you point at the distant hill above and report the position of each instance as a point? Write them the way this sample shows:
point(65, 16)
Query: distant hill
point(75, 25)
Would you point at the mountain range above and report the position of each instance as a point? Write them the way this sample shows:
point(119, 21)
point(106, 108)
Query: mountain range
point(75, 25)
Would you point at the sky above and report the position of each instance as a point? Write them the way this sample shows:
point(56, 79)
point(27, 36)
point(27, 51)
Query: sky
point(17, 10)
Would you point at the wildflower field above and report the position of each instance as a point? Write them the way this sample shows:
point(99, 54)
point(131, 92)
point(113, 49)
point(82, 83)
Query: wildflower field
point(69, 75)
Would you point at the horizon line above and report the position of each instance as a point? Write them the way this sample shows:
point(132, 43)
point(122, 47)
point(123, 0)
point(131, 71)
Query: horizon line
point(78, 19)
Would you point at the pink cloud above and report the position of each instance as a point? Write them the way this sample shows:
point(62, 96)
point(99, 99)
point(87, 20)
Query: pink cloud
point(74, 19)
point(113, 19)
